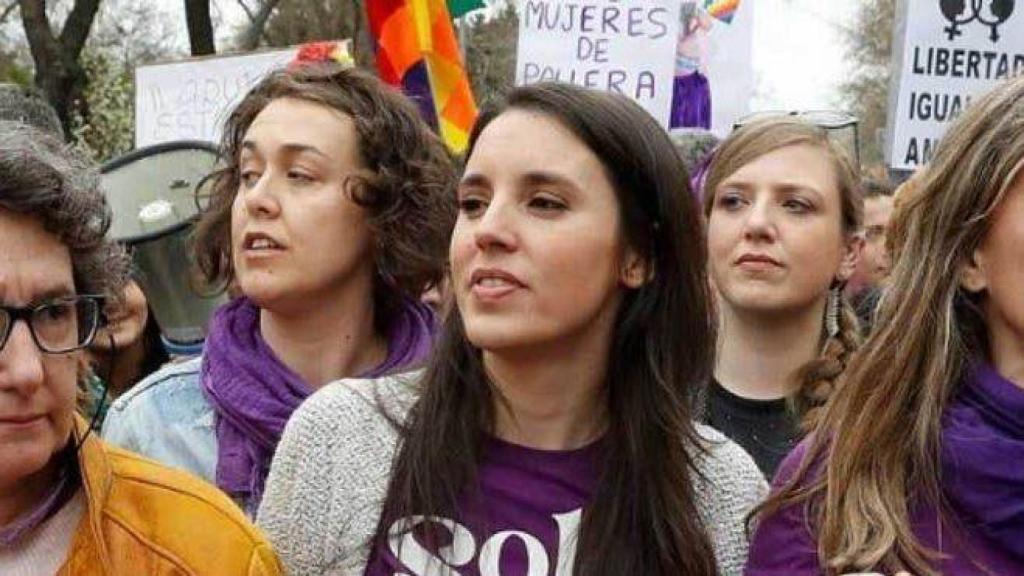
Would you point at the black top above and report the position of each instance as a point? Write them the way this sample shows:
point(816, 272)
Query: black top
point(766, 429)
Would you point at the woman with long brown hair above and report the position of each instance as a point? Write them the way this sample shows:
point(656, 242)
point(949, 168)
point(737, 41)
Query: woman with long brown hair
point(917, 462)
point(783, 212)
point(551, 431)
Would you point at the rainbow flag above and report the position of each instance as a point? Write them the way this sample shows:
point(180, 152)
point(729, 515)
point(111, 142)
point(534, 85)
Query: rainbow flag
point(417, 51)
point(723, 10)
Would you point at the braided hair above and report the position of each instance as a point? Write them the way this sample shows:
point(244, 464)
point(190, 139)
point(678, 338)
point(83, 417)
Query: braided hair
point(818, 378)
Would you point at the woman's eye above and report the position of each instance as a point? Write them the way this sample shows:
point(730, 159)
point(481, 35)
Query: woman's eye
point(471, 206)
point(301, 177)
point(56, 312)
point(547, 204)
point(797, 206)
point(248, 178)
point(730, 201)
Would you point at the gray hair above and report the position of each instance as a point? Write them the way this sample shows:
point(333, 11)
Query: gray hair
point(694, 145)
point(29, 106)
point(42, 177)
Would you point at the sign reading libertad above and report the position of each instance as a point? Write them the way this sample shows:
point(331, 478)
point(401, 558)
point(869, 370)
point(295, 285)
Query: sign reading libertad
point(952, 52)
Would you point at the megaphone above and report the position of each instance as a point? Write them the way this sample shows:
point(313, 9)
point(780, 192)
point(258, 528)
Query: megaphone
point(152, 192)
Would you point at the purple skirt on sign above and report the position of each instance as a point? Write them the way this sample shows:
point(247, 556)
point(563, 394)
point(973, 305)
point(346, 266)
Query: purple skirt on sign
point(691, 102)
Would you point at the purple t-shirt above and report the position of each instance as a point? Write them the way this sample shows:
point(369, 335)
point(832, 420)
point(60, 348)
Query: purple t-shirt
point(523, 523)
point(983, 480)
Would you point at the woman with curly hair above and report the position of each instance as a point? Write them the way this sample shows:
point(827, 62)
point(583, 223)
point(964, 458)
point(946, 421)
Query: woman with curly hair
point(783, 209)
point(331, 216)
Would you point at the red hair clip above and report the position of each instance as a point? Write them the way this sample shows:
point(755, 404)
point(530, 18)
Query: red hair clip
point(328, 51)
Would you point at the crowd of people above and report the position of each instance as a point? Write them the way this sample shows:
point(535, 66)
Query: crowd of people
point(749, 362)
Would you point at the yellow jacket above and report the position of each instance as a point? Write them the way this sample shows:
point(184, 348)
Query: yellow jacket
point(142, 518)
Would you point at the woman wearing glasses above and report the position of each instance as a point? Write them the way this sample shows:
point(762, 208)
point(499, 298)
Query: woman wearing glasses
point(783, 211)
point(551, 433)
point(69, 503)
point(916, 463)
point(331, 217)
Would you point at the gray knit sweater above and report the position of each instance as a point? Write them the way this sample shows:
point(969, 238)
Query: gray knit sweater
point(330, 474)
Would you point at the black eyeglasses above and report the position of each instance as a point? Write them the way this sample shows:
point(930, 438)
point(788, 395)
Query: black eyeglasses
point(57, 326)
point(841, 126)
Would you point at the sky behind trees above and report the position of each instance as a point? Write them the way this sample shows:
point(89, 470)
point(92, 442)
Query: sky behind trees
point(799, 52)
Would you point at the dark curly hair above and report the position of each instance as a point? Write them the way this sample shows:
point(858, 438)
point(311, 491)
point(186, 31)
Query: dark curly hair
point(42, 177)
point(410, 197)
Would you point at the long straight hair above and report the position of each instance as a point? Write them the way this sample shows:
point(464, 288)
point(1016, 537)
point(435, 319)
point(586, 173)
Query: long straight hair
point(878, 442)
point(644, 517)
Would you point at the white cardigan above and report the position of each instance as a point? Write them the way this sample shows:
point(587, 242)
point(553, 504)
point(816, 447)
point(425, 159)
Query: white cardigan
point(330, 474)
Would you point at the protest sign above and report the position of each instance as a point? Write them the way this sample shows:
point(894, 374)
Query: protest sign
point(189, 100)
point(948, 53)
point(717, 44)
point(618, 46)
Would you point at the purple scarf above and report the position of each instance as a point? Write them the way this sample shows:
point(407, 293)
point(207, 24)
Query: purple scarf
point(983, 458)
point(59, 494)
point(982, 480)
point(254, 394)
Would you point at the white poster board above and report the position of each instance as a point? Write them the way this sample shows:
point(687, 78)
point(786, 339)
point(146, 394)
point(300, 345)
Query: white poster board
point(622, 46)
point(189, 100)
point(948, 58)
point(730, 68)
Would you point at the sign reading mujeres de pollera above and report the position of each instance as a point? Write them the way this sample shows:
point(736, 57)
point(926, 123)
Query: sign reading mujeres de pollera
point(623, 46)
point(953, 51)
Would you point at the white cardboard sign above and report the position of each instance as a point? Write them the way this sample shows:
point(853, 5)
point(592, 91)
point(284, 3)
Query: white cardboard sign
point(621, 46)
point(951, 52)
point(189, 100)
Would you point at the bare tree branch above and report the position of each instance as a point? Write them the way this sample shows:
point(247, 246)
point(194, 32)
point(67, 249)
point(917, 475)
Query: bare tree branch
point(76, 27)
point(247, 10)
point(58, 70)
point(41, 42)
point(258, 22)
point(8, 10)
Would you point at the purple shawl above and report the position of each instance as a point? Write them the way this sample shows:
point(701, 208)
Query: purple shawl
point(253, 393)
point(982, 479)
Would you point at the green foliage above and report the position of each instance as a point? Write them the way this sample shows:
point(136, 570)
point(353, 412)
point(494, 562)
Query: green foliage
point(866, 93)
point(109, 130)
point(126, 33)
point(12, 70)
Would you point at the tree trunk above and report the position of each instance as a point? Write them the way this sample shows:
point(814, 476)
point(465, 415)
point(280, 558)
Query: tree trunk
point(362, 39)
point(58, 72)
point(200, 27)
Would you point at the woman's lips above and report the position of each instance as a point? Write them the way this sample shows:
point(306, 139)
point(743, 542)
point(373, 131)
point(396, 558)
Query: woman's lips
point(757, 262)
point(259, 245)
point(490, 284)
point(20, 422)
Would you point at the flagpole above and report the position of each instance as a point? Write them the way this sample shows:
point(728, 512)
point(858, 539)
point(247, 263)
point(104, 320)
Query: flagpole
point(462, 39)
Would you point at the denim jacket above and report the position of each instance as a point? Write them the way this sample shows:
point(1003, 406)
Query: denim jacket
point(167, 417)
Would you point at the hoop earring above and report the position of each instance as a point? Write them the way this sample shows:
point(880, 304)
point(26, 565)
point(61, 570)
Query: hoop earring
point(832, 307)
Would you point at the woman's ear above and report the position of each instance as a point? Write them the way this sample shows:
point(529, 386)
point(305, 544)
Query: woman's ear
point(851, 256)
point(973, 277)
point(636, 271)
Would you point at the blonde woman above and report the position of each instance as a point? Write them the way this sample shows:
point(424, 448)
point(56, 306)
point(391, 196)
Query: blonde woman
point(783, 208)
point(917, 462)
